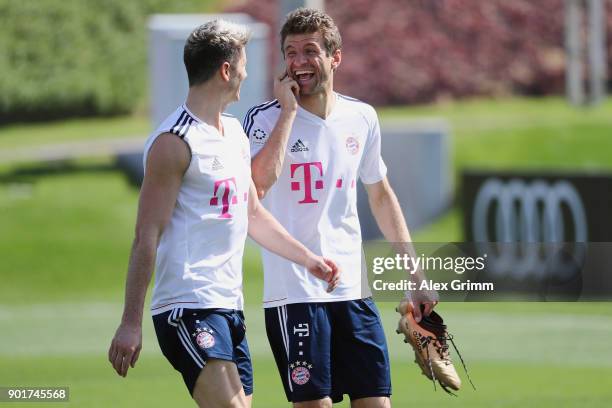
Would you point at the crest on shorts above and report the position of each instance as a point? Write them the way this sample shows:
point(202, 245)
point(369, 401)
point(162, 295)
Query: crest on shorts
point(352, 145)
point(300, 372)
point(204, 338)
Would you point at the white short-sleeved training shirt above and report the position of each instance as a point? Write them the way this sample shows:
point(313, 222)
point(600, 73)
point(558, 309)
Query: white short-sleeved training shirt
point(199, 257)
point(315, 196)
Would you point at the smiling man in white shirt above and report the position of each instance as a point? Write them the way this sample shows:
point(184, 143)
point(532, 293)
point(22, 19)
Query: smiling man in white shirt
point(309, 147)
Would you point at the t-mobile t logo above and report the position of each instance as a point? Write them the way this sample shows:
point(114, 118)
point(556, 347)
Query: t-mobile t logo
point(227, 198)
point(302, 330)
point(318, 185)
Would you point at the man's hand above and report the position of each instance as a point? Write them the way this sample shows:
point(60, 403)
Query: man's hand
point(324, 269)
point(125, 348)
point(429, 300)
point(286, 90)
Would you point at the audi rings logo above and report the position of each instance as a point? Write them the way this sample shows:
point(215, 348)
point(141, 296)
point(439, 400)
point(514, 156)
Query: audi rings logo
point(529, 222)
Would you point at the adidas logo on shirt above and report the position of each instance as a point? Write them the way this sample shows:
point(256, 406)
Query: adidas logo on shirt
point(299, 146)
point(216, 164)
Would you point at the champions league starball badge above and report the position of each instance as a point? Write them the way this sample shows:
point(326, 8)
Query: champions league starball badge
point(300, 373)
point(204, 338)
point(259, 136)
point(352, 145)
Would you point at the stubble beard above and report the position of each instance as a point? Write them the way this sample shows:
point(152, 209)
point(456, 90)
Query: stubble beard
point(317, 88)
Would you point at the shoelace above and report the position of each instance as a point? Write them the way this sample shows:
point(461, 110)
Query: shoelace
point(443, 352)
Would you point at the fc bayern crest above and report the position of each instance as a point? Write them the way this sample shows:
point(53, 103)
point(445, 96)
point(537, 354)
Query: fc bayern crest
point(300, 375)
point(205, 340)
point(352, 145)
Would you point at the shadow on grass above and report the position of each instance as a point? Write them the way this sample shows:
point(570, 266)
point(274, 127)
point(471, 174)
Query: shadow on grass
point(33, 172)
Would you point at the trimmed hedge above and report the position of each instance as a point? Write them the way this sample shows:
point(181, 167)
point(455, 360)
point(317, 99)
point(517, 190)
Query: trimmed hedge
point(64, 58)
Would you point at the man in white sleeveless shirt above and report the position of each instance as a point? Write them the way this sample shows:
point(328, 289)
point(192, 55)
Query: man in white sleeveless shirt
point(309, 147)
point(197, 204)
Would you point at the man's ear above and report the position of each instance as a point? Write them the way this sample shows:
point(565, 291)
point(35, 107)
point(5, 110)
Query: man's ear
point(336, 59)
point(225, 71)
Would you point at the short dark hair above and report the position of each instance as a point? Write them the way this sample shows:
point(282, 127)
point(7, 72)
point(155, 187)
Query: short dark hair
point(306, 21)
point(209, 46)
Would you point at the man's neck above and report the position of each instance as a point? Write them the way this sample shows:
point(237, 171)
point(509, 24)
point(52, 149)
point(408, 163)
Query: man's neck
point(207, 104)
point(320, 104)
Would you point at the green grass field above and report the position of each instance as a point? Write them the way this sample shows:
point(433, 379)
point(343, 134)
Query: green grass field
point(549, 356)
point(65, 242)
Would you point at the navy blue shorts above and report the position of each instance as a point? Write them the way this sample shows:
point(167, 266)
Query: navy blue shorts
point(189, 337)
point(330, 349)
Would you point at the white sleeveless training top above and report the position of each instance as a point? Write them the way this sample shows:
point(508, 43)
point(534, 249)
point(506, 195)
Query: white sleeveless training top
point(199, 257)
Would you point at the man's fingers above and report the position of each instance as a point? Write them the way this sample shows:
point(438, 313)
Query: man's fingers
point(125, 363)
point(282, 75)
point(333, 284)
point(416, 312)
point(112, 352)
point(117, 363)
point(135, 358)
point(333, 281)
point(335, 274)
point(295, 87)
point(332, 265)
point(428, 308)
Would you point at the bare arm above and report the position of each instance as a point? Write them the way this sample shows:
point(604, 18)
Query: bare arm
point(168, 159)
point(270, 234)
point(266, 166)
point(390, 220)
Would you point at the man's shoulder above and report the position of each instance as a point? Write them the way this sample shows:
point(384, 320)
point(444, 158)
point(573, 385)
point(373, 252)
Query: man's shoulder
point(357, 105)
point(176, 122)
point(264, 106)
point(263, 109)
point(230, 120)
point(166, 150)
point(182, 122)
